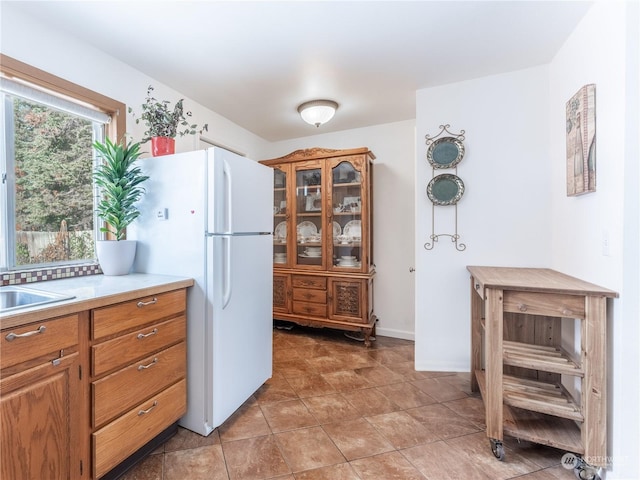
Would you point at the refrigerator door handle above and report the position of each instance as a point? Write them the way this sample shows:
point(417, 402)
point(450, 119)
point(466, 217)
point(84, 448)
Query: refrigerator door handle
point(228, 184)
point(226, 274)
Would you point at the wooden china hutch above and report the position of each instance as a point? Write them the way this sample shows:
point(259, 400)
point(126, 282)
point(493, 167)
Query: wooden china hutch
point(323, 243)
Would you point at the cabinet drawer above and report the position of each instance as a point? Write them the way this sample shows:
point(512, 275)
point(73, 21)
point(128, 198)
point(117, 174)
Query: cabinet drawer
point(549, 304)
point(307, 295)
point(40, 338)
point(126, 348)
point(121, 390)
point(122, 437)
point(135, 313)
point(314, 309)
point(319, 283)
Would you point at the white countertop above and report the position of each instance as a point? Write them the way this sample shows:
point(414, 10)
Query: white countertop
point(91, 291)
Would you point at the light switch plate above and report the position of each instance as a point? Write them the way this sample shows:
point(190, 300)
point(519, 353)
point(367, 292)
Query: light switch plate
point(162, 214)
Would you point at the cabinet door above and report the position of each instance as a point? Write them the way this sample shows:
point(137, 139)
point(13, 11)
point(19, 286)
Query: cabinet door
point(308, 215)
point(282, 230)
point(349, 208)
point(348, 300)
point(281, 293)
point(40, 425)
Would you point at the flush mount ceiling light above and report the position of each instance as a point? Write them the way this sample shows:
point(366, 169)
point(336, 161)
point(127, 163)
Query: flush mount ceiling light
point(317, 112)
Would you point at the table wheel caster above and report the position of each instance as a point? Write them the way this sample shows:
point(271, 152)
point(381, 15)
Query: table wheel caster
point(584, 471)
point(497, 449)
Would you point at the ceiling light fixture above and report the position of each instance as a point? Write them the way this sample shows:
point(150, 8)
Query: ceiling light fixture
point(317, 112)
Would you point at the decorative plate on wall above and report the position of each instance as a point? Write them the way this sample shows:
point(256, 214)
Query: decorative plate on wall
point(445, 152)
point(445, 189)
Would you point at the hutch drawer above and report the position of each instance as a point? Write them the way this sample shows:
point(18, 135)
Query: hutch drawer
point(304, 281)
point(308, 295)
point(312, 309)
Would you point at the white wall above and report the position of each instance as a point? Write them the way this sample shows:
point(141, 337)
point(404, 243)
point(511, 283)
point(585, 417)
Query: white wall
point(393, 170)
point(78, 62)
point(516, 212)
point(503, 215)
point(393, 144)
point(604, 50)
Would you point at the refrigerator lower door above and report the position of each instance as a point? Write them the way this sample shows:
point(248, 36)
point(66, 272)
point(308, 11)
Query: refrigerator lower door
point(239, 330)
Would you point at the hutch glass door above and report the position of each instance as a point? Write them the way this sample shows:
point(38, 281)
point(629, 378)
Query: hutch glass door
point(280, 226)
point(346, 198)
point(308, 219)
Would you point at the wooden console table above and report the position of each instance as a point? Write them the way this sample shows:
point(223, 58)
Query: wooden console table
point(518, 311)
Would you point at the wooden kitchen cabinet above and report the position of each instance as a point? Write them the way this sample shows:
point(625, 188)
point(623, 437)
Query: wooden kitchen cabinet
point(281, 292)
point(350, 299)
point(86, 395)
point(41, 399)
point(323, 243)
point(515, 333)
point(138, 383)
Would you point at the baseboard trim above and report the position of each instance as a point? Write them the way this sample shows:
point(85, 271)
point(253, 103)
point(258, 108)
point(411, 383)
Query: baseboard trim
point(390, 332)
point(441, 367)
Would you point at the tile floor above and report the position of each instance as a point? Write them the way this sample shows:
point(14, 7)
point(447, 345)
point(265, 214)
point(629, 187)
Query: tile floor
point(335, 410)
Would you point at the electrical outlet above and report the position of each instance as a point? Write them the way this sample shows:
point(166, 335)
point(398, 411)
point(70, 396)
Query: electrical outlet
point(162, 214)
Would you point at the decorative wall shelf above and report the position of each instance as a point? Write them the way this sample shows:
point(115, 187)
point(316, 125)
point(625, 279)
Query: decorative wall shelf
point(445, 189)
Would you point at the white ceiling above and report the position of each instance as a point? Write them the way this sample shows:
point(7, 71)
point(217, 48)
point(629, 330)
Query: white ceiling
point(255, 62)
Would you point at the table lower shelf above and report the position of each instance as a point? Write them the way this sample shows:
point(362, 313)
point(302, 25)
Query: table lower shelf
point(540, 357)
point(538, 427)
point(541, 397)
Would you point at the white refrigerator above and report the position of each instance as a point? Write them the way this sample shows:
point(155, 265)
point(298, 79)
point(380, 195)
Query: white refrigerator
point(208, 215)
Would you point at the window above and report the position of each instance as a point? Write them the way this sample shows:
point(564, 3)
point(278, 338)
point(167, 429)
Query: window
point(47, 200)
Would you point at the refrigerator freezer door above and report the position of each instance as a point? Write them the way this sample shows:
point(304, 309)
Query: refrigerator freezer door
point(239, 287)
point(174, 244)
point(240, 194)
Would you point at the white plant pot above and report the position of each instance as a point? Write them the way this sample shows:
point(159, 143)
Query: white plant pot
point(116, 257)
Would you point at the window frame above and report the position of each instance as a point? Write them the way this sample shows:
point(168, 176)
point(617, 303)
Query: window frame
point(12, 68)
point(20, 71)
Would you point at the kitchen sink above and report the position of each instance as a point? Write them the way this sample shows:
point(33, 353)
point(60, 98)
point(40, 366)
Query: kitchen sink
point(14, 297)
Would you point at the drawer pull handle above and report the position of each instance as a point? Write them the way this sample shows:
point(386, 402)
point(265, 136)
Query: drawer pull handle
point(144, 412)
point(150, 302)
point(144, 367)
point(145, 335)
point(12, 336)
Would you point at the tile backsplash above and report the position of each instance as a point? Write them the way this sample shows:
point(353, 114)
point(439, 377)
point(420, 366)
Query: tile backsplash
point(51, 273)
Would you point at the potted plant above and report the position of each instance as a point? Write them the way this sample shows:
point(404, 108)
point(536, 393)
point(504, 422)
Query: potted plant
point(120, 182)
point(164, 123)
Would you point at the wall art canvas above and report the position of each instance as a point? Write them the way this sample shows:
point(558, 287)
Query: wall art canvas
point(581, 142)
